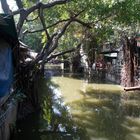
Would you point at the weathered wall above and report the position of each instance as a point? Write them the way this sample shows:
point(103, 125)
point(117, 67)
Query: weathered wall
point(8, 113)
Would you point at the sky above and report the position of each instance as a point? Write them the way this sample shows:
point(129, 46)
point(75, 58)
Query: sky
point(12, 5)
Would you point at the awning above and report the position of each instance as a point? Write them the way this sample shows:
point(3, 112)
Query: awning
point(109, 52)
point(112, 55)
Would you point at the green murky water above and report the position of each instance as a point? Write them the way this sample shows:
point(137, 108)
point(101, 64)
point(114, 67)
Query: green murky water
point(73, 109)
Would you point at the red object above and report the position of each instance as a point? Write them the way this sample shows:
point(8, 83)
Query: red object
point(100, 64)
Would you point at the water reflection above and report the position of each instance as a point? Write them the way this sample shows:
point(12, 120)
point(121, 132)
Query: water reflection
point(54, 122)
point(73, 109)
point(103, 110)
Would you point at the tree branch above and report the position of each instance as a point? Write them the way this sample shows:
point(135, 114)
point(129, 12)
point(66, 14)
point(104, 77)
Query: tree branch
point(44, 51)
point(5, 7)
point(52, 43)
point(30, 20)
point(83, 23)
point(41, 5)
point(22, 18)
point(58, 22)
point(19, 4)
point(60, 34)
point(43, 22)
point(59, 54)
point(62, 53)
point(102, 18)
point(25, 12)
point(41, 30)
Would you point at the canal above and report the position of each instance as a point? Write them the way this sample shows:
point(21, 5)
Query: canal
point(75, 109)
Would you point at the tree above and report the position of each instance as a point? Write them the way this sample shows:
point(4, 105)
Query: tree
point(53, 32)
point(53, 19)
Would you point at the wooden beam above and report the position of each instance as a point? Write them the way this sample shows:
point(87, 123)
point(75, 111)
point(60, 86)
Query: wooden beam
point(132, 88)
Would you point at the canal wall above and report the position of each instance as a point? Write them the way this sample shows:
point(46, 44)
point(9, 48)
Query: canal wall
point(113, 78)
point(8, 115)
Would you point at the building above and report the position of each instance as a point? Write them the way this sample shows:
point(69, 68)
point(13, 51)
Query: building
point(8, 107)
point(113, 62)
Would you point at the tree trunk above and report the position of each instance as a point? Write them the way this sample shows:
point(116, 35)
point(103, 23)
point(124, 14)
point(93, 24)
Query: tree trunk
point(128, 71)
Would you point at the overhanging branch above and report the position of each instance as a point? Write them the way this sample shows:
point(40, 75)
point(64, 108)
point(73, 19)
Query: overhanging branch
point(41, 5)
point(62, 53)
point(41, 16)
point(30, 20)
point(83, 23)
point(25, 12)
point(19, 4)
point(59, 54)
point(41, 30)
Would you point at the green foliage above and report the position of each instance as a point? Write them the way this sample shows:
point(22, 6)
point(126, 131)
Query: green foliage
point(34, 41)
point(28, 3)
point(105, 16)
point(19, 96)
point(47, 111)
point(71, 38)
point(127, 11)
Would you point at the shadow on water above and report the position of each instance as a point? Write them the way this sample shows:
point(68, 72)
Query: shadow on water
point(101, 114)
point(104, 111)
point(53, 122)
point(94, 78)
point(74, 109)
